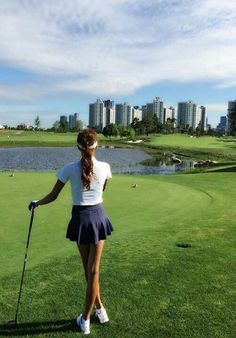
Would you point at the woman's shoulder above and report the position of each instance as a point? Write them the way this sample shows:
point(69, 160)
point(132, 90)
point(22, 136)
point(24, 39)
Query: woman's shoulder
point(101, 163)
point(72, 165)
point(103, 168)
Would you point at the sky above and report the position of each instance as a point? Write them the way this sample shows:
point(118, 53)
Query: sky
point(58, 56)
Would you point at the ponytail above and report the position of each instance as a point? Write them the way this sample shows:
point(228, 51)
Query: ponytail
point(87, 168)
point(87, 142)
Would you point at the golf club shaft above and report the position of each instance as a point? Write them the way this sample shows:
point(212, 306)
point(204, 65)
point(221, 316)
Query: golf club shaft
point(24, 264)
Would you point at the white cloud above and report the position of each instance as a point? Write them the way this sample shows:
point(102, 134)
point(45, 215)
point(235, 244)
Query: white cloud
point(114, 47)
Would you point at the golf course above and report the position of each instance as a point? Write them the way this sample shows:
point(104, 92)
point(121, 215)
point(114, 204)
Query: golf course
point(168, 270)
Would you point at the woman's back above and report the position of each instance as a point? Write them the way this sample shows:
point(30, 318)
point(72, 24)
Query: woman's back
point(80, 195)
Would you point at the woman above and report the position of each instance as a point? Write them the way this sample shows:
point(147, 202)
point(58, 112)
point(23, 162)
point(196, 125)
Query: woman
point(89, 225)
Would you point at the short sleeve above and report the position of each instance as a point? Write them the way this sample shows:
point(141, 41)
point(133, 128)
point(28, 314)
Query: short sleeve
point(109, 174)
point(63, 174)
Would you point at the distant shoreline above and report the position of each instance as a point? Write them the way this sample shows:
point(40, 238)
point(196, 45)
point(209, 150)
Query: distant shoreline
point(202, 148)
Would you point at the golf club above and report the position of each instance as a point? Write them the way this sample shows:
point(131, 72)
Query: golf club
point(14, 322)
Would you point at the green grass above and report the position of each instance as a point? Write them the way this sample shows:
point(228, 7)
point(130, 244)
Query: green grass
point(151, 287)
point(204, 146)
point(19, 138)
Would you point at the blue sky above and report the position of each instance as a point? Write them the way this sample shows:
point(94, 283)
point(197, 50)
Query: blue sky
point(58, 56)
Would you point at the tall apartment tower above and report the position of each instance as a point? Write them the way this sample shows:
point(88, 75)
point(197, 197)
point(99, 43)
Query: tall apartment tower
point(63, 119)
point(123, 114)
point(202, 112)
point(73, 121)
point(188, 114)
point(144, 110)
point(149, 110)
point(110, 111)
point(231, 113)
point(222, 126)
point(169, 113)
point(97, 115)
point(156, 107)
point(137, 113)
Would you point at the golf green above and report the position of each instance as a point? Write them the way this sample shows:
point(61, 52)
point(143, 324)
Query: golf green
point(151, 287)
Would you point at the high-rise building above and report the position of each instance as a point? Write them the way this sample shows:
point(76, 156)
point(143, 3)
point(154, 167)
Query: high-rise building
point(222, 126)
point(123, 114)
point(202, 113)
point(97, 115)
point(73, 121)
point(63, 119)
point(158, 109)
point(137, 113)
point(188, 114)
point(110, 111)
point(149, 110)
point(154, 108)
point(144, 110)
point(169, 113)
point(231, 114)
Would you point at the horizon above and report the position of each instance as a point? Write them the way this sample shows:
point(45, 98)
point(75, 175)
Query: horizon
point(57, 58)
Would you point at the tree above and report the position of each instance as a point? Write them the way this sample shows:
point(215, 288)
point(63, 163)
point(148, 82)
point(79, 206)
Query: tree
point(121, 130)
point(37, 122)
point(79, 125)
point(157, 125)
point(56, 126)
point(169, 125)
point(64, 127)
point(110, 130)
point(136, 125)
point(190, 130)
point(198, 131)
point(148, 125)
point(131, 134)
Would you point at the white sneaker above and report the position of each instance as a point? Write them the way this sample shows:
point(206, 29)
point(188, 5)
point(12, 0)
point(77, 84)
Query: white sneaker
point(83, 324)
point(102, 315)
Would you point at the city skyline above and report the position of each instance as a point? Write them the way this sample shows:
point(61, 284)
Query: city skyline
point(57, 58)
point(188, 114)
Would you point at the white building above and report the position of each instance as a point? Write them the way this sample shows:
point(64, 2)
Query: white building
point(97, 115)
point(158, 109)
point(137, 113)
point(188, 115)
point(110, 111)
point(124, 114)
point(169, 113)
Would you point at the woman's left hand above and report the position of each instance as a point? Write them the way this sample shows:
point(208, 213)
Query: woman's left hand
point(32, 205)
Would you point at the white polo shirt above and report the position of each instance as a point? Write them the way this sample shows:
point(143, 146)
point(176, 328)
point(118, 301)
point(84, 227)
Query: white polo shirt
point(81, 196)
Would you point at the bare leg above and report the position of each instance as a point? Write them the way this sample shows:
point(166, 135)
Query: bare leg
point(84, 250)
point(95, 252)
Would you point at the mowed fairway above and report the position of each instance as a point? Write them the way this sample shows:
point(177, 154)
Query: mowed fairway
point(21, 138)
point(223, 146)
point(151, 287)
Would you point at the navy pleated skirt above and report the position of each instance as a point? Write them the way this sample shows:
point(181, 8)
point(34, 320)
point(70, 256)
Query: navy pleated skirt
point(88, 224)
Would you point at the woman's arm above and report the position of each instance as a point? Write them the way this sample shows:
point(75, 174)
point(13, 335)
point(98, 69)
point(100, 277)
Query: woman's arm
point(104, 185)
point(52, 195)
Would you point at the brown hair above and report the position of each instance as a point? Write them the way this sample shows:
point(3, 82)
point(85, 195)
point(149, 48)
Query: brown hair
point(86, 139)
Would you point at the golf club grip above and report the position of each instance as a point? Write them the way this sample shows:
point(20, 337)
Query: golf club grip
point(30, 227)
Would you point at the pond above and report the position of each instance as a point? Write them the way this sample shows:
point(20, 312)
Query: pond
point(122, 161)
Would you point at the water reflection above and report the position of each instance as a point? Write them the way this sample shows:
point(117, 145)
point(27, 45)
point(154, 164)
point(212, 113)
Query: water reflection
point(126, 161)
